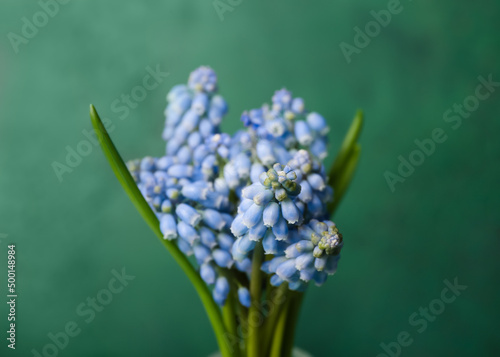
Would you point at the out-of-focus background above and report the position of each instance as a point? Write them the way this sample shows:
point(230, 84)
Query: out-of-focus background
point(431, 70)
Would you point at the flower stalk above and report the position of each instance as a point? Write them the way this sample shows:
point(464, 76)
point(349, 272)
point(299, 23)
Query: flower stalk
point(254, 316)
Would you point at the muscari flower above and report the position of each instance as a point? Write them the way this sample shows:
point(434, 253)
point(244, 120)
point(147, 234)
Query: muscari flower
point(203, 79)
point(244, 296)
point(190, 187)
point(194, 112)
point(265, 210)
point(285, 127)
point(197, 229)
point(221, 290)
point(312, 255)
point(315, 193)
point(204, 233)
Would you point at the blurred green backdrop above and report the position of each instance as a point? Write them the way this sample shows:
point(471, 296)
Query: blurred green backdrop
point(441, 223)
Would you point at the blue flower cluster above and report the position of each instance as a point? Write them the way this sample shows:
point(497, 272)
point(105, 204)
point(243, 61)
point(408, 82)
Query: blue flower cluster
point(312, 254)
point(219, 195)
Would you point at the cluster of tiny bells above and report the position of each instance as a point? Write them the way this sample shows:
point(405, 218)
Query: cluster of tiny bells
point(219, 195)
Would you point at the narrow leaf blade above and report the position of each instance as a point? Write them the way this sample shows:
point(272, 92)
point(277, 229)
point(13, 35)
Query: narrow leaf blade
point(345, 178)
point(122, 173)
point(346, 148)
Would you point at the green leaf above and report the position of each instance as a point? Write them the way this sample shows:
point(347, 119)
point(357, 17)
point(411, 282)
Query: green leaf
point(345, 163)
point(345, 177)
point(122, 173)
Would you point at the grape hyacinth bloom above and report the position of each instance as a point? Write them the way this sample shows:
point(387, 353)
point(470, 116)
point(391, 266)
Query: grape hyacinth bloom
point(251, 209)
point(314, 193)
point(271, 203)
point(194, 113)
point(313, 256)
point(203, 79)
point(266, 205)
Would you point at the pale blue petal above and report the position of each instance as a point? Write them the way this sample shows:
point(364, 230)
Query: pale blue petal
point(292, 251)
point(317, 123)
point(319, 149)
point(276, 262)
point(303, 133)
point(237, 254)
point(306, 192)
point(265, 152)
point(223, 258)
point(320, 263)
point(297, 286)
point(320, 278)
point(213, 219)
point(307, 274)
point(184, 155)
point(304, 246)
point(188, 214)
point(276, 280)
point(253, 215)
point(202, 253)
point(256, 170)
point(270, 243)
point(168, 226)
point(280, 229)
point(207, 237)
point(177, 91)
point(187, 232)
point(331, 264)
point(263, 197)
point(190, 121)
point(206, 128)
point(290, 212)
point(271, 214)
point(245, 245)
point(298, 105)
point(257, 231)
point(195, 192)
point(249, 192)
point(185, 247)
point(194, 139)
point(207, 273)
point(221, 290)
point(237, 227)
point(315, 207)
point(200, 103)
point(303, 261)
point(245, 204)
point(245, 265)
point(286, 269)
point(225, 241)
point(244, 296)
point(179, 170)
point(316, 181)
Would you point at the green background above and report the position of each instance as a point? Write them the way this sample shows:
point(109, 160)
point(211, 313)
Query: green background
point(441, 223)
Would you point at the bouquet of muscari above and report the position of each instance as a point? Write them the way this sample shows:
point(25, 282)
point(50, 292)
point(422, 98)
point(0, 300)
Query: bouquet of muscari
point(247, 216)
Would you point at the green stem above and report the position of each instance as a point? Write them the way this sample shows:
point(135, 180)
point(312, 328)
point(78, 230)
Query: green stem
point(130, 187)
point(270, 324)
point(293, 316)
point(254, 315)
point(242, 313)
point(229, 316)
point(279, 331)
point(243, 319)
